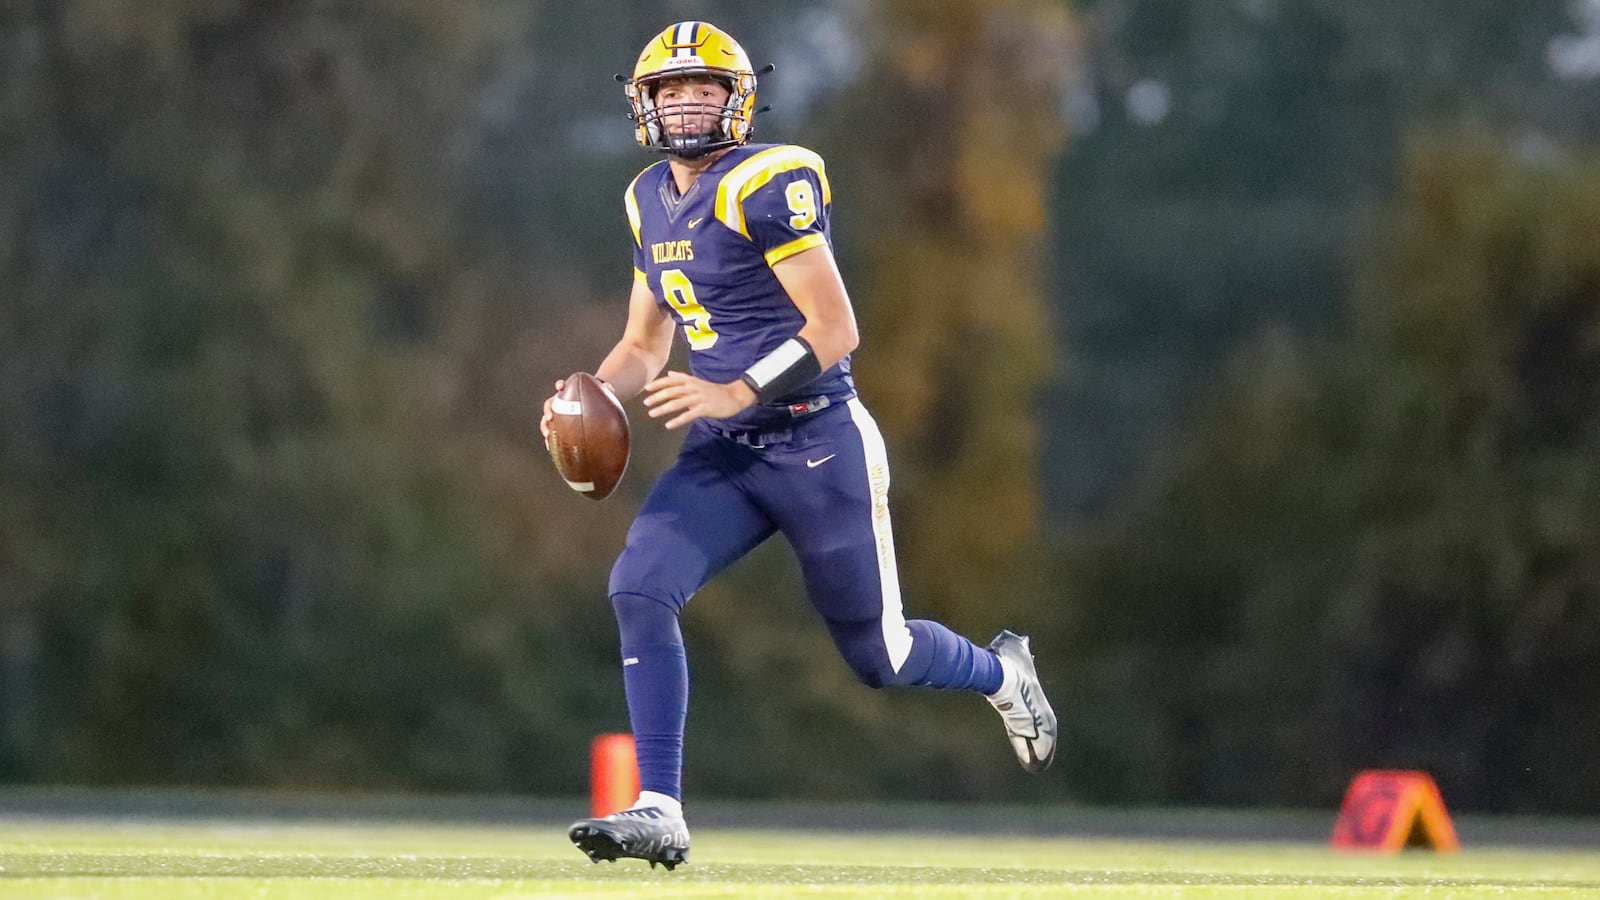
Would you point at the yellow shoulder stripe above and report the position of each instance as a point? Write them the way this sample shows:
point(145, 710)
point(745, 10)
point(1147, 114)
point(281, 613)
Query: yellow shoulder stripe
point(749, 176)
point(803, 242)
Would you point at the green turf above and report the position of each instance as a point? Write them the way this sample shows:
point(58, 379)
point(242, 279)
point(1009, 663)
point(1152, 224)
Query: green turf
point(392, 862)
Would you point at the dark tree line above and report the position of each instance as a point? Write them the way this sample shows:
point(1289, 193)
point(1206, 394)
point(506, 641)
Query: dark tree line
point(1378, 552)
point(1241, 352)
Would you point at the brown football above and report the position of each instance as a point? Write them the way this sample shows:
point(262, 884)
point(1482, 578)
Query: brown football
point(588, 436)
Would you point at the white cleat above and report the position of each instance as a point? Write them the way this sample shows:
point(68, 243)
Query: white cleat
point(1030, 722)
point(650, 833)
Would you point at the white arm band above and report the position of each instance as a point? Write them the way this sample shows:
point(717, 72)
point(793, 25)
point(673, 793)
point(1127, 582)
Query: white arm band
point(790, 367)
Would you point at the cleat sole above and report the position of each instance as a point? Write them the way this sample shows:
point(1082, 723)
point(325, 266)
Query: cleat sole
point(598, 845)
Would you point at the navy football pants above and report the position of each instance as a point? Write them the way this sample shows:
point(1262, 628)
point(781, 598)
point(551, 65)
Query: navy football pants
point(825, 487)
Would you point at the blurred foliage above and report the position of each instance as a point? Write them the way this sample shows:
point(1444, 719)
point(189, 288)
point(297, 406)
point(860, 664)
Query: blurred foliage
point(1229, 155)
point(283, 291)
point(1272, 428)
point(957, 337)
point(245, 540)
point(1378, 552)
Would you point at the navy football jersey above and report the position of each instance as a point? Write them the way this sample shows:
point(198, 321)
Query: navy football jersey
point(707, 255)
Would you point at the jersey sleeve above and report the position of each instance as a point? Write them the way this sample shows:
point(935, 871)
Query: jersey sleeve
point(630, 202)
point(779, 199)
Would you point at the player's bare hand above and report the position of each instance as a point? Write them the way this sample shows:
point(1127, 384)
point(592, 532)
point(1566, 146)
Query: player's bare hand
point(685, 398)
point(549, 409)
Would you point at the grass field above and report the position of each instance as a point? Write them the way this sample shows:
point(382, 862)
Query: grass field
point(354, 861)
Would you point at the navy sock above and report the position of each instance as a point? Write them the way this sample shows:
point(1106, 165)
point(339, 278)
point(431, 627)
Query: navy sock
point(940, 658)
point(655, 675)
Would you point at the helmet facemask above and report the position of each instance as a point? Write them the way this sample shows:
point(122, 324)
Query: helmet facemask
point(732, 126)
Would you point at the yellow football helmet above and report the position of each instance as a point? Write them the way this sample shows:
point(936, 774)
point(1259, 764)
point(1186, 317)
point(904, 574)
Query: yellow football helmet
point(689, 49)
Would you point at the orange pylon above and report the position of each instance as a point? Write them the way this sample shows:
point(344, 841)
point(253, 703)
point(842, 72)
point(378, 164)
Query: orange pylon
point(614, 774)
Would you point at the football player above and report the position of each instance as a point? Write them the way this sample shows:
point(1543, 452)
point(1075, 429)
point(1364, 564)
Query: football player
point(731, 245)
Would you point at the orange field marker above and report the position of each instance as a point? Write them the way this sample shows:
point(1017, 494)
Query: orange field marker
point(614, 774)
point(1388, 811)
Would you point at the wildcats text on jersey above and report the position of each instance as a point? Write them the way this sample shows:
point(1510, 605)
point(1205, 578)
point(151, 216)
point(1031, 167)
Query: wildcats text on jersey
point(672, 251)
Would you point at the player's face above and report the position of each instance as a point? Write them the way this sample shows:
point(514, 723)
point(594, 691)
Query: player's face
point(691, 105)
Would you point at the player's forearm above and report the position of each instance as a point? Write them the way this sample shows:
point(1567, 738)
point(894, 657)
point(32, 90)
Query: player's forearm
point(629, 367)
point(831, 339)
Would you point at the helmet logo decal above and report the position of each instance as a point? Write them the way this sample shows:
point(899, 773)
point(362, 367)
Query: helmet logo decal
point(683, 37)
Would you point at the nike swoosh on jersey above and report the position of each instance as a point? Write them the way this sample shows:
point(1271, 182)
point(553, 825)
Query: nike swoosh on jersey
point(694, 222)
point(813, 463)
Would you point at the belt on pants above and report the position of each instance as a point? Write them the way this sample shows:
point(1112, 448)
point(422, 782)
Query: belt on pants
point(761, 437)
